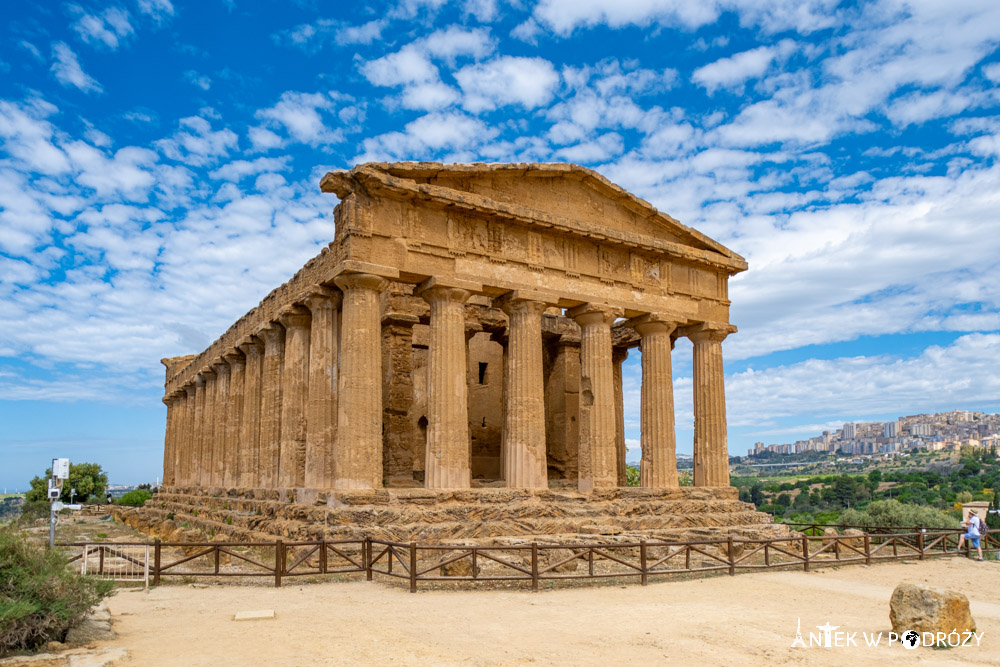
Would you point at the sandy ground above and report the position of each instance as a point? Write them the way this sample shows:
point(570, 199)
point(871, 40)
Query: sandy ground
point(747, 619)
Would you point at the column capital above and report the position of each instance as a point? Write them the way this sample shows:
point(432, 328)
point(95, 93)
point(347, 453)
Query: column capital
point(529, 302)
point(595, 313)
point(294, 317)
point(234, 357)
point(250, 345)
point(371, 281)
point(271, 332)
point(715, 332)
point(653, 323)
point(619, 354)
point(189, 390)
point(322, 296)
point(220, 366)
point(447, 289)
point(204, 376)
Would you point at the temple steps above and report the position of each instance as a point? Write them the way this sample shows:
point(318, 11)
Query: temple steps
point(477, 514)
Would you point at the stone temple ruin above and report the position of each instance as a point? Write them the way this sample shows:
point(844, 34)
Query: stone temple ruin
point(450, 367)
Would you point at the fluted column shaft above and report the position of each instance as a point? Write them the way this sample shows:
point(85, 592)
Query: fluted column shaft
point(237, 380)
point(169, 440)
point(221, 425)
point(448, 455)
point(597, 463)
point(249, 451)
point(658, 468)
point(295, 391)
point(321, 405)
point(273, 335)
point(207, 406)
point(524, 460)
point(711, 453)
point(191, 435)
point(618, 357)
point(357, 454)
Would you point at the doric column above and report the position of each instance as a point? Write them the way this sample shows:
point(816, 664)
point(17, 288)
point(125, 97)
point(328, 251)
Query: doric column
point(321, 410)
point(190, 435)
point(249, 453)
point(448, 463)
point(711, 453)
point(524, 461)
point(273, 335)
point(618, 357)
point(207, 405)
point(221, 426)
point(295, 390)
point(597, 462)
point(169, 439)
point(237, 380)
point(357, 455)
point(658, 468)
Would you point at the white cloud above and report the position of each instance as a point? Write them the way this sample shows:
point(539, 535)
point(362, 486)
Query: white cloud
point(485, 11)
point(507, 80)
point(365, 33)
point(68, 71)
point(992, 72)
point(196, 144)
point(455, 41)
point(428, 136)
point(108, 28)
point(159, 10)
point(563, 16)
point(300, 115)
point(406, 66)
point(199, 80)
point(733, 72)
point(240, 169)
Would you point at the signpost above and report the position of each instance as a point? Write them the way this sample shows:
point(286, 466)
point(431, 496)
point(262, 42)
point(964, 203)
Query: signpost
point(60, 473)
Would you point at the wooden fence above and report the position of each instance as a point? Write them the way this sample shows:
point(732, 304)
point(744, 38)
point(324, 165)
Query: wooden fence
point(529, 562)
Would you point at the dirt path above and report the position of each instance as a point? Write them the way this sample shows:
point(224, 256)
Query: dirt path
point(746, 619)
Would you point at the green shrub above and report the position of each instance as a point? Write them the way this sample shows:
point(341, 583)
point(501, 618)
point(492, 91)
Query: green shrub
point(40, 598)
point(136, 498)
point(33, 510)
point(896, 514)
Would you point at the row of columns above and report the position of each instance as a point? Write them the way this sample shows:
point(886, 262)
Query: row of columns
point(300, 403)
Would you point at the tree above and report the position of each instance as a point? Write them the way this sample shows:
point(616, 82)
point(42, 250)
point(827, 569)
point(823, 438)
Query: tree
point(87, 478)
point(875, 478)
point(993, 520)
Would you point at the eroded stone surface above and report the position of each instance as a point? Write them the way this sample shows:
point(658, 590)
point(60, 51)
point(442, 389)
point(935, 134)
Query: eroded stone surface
point(925, 609)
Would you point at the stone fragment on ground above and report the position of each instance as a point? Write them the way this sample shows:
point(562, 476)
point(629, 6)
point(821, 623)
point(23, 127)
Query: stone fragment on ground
point(256, 615)
point(96, 627)
point(925, 609)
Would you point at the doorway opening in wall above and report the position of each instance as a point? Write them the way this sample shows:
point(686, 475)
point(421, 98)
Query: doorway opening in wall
point(482, 372)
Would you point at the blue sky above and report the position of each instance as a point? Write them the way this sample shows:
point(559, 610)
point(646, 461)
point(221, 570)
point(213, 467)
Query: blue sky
point(159, 167)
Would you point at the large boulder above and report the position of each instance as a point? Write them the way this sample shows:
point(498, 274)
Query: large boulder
point(924, 609)
point(828, 534)
point(857, 537)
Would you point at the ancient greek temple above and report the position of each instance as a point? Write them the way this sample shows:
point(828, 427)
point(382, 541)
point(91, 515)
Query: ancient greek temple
point(465, 327)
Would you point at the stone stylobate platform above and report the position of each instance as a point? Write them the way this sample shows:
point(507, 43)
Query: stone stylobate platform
point(467, 322)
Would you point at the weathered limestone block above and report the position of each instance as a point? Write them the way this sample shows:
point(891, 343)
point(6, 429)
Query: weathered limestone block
point(857, 537)
point(924, 609)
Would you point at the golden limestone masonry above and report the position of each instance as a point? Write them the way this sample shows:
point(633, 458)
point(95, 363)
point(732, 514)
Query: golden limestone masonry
point(450, 366)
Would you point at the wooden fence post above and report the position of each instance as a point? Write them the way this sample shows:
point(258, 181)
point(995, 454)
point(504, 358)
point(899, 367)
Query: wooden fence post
point(156, 562)
point(279, 552)
point(731, 556)
point(805, 552)
point(868, 549)
point(642, 560)
point(920, 544)
point(366, 557)
point(413, 567)
point(534, 567)
point(322, 557)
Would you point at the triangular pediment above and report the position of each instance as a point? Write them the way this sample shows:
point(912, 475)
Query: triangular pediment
point(574, 198)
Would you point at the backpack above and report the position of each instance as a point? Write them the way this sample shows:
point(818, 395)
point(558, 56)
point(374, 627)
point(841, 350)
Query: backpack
point(980, 524)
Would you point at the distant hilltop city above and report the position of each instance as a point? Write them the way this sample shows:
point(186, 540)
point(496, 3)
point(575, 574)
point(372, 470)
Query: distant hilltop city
point(942, 431)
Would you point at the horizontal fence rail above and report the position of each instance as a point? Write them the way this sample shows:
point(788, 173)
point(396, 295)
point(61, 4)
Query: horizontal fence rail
point(527, 562)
